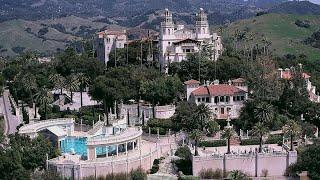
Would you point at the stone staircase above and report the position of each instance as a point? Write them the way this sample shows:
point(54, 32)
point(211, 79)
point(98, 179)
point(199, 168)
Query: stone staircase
point(96, 127)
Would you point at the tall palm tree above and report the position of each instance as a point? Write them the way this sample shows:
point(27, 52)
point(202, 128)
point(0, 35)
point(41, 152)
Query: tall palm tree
point(260, 130)
point(203, 114)
point(72, 84)
point(228, 133)
point(264, 112)
point(293, 129)
point(58, 81)
point(30, 85)
point(196, 135)
point(83, 82)
point(44, 97)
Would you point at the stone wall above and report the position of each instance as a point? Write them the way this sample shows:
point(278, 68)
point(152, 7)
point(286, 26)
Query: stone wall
point(253, 164)
point(101, 167)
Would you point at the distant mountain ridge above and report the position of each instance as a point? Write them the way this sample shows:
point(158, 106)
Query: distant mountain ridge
point(45, 9)
point(297, 7)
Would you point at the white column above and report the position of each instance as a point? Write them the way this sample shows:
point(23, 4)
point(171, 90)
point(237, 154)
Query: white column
point(117, 149)
point(133, 145)
point(126, 147)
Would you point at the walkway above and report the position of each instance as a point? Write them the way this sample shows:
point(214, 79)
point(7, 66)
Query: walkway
point(11, 120)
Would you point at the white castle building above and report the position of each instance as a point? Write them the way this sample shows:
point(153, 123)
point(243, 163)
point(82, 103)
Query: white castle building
point(176, 41)
point(108, 41)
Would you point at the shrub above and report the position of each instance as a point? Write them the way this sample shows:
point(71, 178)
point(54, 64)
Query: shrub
point(154, 169)
point(43, 31)
point(138, 174)
point(303, 24)
point(183, 152)
point(156, 161)
point(274, 139)
point(253, 141)
point(211, 174)
point(237, 175)
point(216, 143)
point(189, 178)
point(184, 164)
point(264, 173)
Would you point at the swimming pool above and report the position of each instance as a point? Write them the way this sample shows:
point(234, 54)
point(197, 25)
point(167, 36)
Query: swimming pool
point(74, 144)
point(78, 145)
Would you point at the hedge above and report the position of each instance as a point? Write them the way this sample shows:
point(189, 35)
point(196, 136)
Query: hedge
point(273, 139)
point(216, 143)
point(253, 141)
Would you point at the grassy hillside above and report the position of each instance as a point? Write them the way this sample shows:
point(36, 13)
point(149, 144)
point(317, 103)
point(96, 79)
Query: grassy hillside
point(46, 36)
point(281, 30)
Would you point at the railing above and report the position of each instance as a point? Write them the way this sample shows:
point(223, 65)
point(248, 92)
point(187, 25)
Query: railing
point(127, 135)
point(33, 128)
point(96, 127)
point(165, 108)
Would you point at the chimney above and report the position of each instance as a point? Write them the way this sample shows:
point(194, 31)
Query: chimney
point(216, 82)
point(230, 82)
point(300, 66)
point(207, 83)
point(280, 72)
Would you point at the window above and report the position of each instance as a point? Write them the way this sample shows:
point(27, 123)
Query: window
point(222, 111)
point(199, 99)
point(207, 99)
point(227, 98)
point(188, 50)
point(203, 99)
point(221, 98)
point(238, 98)
point(242, 98)
point(234, 98)
point(216, 99)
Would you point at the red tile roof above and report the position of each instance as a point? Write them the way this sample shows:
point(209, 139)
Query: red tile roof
point(238, 80)
point(192, 81)
point(217, 90)
point(287, 75)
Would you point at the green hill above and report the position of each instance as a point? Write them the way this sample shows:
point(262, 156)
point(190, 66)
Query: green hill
point(281, 30)
point(44, 36)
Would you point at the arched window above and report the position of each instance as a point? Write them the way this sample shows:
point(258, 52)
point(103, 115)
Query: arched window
point(169, 31)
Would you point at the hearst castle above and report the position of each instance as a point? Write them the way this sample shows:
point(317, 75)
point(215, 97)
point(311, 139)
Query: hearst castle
point(175, 41)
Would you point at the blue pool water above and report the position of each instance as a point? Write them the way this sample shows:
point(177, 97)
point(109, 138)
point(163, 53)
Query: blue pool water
point(79, 146)
point(74, 144)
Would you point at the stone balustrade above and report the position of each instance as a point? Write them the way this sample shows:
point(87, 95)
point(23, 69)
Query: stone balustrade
point(33, 128)
point(128, 135)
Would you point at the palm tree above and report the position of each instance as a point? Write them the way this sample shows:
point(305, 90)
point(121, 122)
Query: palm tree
point(58, 81)
point(228, 133)
point(260, 130)
point(30, 85)
point(72, 84)
point(264, 112)
point(293, 129)
point(83, 82)
point(44, 97)
point(196, 135)
point(203, 114)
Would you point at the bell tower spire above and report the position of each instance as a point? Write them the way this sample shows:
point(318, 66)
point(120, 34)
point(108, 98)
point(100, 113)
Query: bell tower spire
point(202, 25)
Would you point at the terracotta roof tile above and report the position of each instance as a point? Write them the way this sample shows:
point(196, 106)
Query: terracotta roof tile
point(238, 80)
point(217, 90)
point(287, 75)
point(191, 81)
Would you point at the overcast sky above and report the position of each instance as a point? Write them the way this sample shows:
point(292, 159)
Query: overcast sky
point(315, 1)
